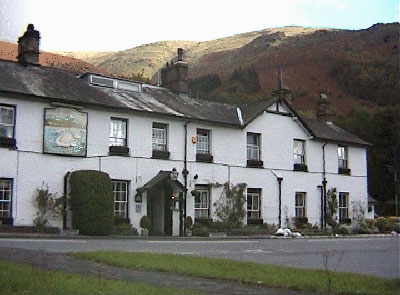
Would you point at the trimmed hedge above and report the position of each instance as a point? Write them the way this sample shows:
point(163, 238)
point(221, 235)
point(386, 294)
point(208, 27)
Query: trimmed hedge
point(92, 202)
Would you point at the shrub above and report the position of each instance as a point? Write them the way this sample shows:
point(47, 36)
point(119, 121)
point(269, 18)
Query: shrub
point(92, 202)
point(344, 229)
point(382, 223)
point(145, 222)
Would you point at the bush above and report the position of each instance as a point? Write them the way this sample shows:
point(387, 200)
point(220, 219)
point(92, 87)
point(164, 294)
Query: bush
point(200, 230)
point(145, 222)
point(188, 222)
point(92, 202)
point(344, 229)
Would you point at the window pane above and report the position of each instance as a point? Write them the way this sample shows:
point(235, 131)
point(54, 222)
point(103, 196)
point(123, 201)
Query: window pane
point(7, 115)
point(118, 132)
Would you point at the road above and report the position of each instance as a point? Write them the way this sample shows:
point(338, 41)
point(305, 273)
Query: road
point(376, 256)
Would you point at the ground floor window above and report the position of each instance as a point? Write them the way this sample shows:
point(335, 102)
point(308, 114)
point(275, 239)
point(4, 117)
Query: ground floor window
point(5, 198)
point(343, 206)
point(300, 204)
point(202, 201)
point(253, 203)
point(120, 191)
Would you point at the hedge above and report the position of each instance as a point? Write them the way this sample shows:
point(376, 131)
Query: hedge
point(92, 202)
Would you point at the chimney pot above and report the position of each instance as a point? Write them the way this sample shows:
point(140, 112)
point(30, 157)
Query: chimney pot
point(180, 54)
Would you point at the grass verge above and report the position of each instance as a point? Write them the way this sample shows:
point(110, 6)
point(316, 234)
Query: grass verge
point(247, 272)
point(23, 279)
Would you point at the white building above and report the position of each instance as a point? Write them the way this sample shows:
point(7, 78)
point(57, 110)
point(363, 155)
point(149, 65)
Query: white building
point(139, 134)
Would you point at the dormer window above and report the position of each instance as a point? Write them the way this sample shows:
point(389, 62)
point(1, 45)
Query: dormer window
point(7, 121)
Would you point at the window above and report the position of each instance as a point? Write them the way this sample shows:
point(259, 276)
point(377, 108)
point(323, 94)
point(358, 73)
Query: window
point(300, 205)
point(253, 204)
point(120, 191)
point(343, 160)
point(159, 137)
point(7, 119)
point(202, 201)
point(118, 132)
point(203, 141)
point(253, 146)
point(298, 151)
point(5, 198)
point(343, 207)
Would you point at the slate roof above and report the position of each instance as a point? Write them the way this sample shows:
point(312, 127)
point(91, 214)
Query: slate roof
point(63, 86)
point(163, 177)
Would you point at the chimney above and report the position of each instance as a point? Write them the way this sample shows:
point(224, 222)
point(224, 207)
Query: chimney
point(174, 75)
point(323, 111)
point(28, 46)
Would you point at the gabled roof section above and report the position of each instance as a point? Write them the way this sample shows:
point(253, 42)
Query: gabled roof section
point(252, 110)
point(162, 178)
point(329, 131)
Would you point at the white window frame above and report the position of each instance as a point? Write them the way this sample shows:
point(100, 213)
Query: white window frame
point(343, 207)
point(201, 207)
point(253, 209)
point(7, 125)
point(159, 137)
point(300, 204)
point(343, 157)
point(120, 204)
point(299, 157)
point(118, 132)
point(203, 141)
point(5, 213)
point(254, 150)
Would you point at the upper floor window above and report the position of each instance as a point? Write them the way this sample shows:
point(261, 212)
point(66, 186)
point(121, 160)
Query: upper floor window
point(253, 205)
point(343, 163)
point(300, 205)
point(298, 151)
point(343, 208)
point(203, 141)
point(159, 137)
point(160, 141)
point(7, 119)
point(120, 192)
point(203, 146)
point(202, 201)
point(299, 155)
point(253, 146)
point(118, 134)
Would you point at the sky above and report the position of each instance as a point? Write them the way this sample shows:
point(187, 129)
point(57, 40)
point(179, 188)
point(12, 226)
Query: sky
point(112, 25)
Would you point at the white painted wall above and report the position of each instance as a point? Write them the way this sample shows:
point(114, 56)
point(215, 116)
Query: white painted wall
point(29, 167)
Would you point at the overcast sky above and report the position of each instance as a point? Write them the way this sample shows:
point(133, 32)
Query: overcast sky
point(97, 25)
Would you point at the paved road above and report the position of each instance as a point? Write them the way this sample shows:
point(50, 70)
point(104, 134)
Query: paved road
point(372, 256)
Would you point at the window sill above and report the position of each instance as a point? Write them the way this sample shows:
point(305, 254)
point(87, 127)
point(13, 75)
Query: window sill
point(255, 163)
point(346, 171)
point(300, 167)
point(207, 158)
point(255, 221)
point(7, 142)
point(118, 151)
point(160, 155)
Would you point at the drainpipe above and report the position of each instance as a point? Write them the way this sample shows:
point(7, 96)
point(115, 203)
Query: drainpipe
point(66, 176)
point(182, 203)
point(324, 182)
point(279, 179)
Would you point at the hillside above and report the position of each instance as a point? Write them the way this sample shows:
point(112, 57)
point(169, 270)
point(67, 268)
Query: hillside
point(9, 51)
point(351, 66)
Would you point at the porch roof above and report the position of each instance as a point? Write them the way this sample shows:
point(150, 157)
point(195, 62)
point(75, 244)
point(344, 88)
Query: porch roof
point(161, 178)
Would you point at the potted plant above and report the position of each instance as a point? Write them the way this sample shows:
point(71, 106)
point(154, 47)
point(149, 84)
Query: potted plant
point(188, 226)
point(145, 225)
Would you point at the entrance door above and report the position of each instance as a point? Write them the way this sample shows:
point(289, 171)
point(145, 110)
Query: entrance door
point(168, 203)
point(159, 210)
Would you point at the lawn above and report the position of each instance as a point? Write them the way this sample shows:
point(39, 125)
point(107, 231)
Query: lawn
point(22, 279)
point(253, 273)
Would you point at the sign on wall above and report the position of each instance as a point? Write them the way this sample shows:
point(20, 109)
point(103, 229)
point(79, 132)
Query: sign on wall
point(65, 132)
